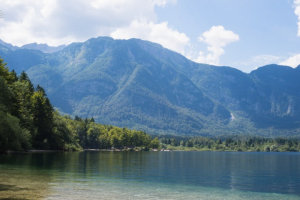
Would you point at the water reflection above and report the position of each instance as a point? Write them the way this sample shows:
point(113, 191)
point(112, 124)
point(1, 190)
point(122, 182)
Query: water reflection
point(38, 175)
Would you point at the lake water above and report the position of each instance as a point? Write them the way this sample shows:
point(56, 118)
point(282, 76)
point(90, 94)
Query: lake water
point(150, 175)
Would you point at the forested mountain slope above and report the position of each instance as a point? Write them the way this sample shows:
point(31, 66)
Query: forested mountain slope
point(139, 84)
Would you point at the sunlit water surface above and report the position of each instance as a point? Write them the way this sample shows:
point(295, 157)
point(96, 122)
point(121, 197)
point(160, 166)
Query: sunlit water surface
point(150, 175)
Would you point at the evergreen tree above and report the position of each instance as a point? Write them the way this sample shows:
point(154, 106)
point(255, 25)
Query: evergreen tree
point(27, 119)
point(42, 119)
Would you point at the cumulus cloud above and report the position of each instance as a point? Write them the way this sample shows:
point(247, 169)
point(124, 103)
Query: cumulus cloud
point(58, 22)
point(297, 12)
point(292, 61)
point(159, 33)
point(216, 39)
point(261, 60)
point(256, 61)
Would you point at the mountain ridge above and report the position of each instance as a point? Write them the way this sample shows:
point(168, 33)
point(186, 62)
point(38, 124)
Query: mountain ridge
point(140, 84)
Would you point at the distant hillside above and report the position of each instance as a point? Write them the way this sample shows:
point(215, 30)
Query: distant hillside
point(28, 121)
point(43, 47)
point(141, 85)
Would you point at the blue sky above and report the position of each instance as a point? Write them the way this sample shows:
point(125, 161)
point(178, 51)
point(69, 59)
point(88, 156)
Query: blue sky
point(244, 34)
point(267, 28)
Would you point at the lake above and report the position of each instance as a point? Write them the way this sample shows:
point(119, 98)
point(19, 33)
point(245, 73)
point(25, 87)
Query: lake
point(150, 175)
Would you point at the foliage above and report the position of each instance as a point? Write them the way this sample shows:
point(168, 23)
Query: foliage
point(12, 136)
point(92, 135)
point(28, 120)
point(141, 85)
point(231, 143)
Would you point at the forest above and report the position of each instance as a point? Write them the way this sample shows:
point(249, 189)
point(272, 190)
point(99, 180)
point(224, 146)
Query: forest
point(29, 121)
point(231, 143)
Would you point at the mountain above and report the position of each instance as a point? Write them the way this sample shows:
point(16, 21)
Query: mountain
point(43, 47)
point(141, 85)
point(7, 45)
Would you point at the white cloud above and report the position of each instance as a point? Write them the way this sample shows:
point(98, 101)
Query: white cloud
point(159, 33)
point(56, 21)
point(261, 60)
point(297, 12)
point(256, 61)
point(292, 61)
point(216, 39)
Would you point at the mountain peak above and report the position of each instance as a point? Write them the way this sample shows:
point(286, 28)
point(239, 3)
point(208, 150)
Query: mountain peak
point(7, 45)
point(272, 68)
point(139, 84)
point(43, 47)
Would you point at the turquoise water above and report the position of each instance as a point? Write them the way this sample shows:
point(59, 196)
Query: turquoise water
point(150, 175)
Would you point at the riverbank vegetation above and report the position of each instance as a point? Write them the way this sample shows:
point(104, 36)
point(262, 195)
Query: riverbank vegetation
point(29, 121)
point(231, 143)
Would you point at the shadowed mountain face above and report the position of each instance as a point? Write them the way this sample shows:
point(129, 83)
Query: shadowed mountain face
point(142, 85)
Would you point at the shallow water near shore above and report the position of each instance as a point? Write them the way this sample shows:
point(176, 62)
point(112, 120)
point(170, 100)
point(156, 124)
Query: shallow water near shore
point(150, 175)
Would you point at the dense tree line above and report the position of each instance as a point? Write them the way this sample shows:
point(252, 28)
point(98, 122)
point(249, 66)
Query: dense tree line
point(92, 135)
point(231, 143)
point(28, 121)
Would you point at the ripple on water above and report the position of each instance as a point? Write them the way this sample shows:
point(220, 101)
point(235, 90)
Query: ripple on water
point(146, 191)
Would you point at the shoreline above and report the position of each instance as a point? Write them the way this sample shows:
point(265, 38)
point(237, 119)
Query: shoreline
point(132, 150)
point(88, 150)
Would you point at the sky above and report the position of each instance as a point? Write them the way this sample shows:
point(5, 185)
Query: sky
point(244, 34)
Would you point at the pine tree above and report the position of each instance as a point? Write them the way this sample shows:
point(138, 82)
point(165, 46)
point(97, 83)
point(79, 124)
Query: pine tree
point(42, 119)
